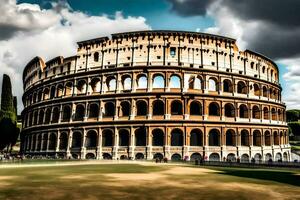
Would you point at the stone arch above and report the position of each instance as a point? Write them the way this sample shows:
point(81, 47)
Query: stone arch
point(40, 95)
point(176, 157)
point(44, 142)
point(91, 139)
point(268, 157)
point(48, 116)
point(158, 81)
point(55, 115)
point(176, 107)
point(68, 89)
point(46, 94)
point(124, 137)
point(140, 136)
point(63, 141)
point(245, 137)
point(257, 157)
point(107, 138)
point(195, 108)
point(109, 110)
point(106, 156)
point(67, 113)
point(142, 81)
point(274, 114)
point(230, 138)
point(266, 113)
point(125, 108)
point(35, 121)
point(241, 87)
point(285, 157)
point(267, 138)
point(52, 141)
point(196, 156)
point(256, 138)
point(276, 138)
point(278, 157)
point(158, 156)
point(93, 110)
point(231, 157)
point(265, 91)
point(212, 84)
point(176, 137)
point(96, 57)
point(227, 86)
point(111, 83)
point(256, 89)
point(96, 85)
point(214, 137)
point(81, 86)
point(245, 158)
point(39, 142)
point(79, 112)
point(52, 92)
point(175, 81)
point(157, 137)
point(76, 139)
point(90, 156)
point(139, 156)
point(243, 111)
point(214, 109)
point(60, 90)
point(195, 83)
point(196, 137)
point(229, 110)
point(126, 82)
point(141, 108)
point(215, 157)
point(255, 112)
point(158, 107)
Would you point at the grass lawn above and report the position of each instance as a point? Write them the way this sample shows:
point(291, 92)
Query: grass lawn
point(145, 181)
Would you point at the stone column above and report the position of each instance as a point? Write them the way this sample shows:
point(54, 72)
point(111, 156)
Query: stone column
point(83, 148)
point(99, 145)
point(116, 145)
point(70, 134)
point(132, 143)
point(58, 141)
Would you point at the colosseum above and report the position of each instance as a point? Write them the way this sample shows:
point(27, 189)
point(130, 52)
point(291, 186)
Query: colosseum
point(155, 94)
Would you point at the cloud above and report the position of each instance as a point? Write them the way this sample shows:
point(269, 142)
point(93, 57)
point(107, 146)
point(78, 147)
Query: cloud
point(49, 33)
point(270, 27)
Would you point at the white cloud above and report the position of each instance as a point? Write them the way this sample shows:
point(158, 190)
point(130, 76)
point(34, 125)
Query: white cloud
point(49, 33)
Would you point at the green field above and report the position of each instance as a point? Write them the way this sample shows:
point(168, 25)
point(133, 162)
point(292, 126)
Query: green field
point(84, 180)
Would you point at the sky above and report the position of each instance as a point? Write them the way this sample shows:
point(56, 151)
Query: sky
point(47, 28)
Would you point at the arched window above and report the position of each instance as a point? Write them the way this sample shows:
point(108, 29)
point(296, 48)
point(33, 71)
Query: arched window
point(55, 115)
point(230, 138)
point(68, 89)
point(195, 108)
point(48, 116)
point(107, 138)
point(265, 91)
point(267, 138)
point(79, 113)
point(227, 86)
point(140, 137)
point(157, 137)
point(266, 113)
point(214, 109)
point(176, 107)
point(141, 108)
point(256, 138)
point(127, 83)
point(125, 108)
point(77, 140)
point(96, 85)
point(41, 117)
point(280, 118)
point(39, 142)
point(66, 116)
point(109, 109)
point(229, 110)
point(123, 138)
point(46, 94)
point(158, 81)
point(243, 111)
point(212, 85)
point(196, 138)
point(276, 138)
point(52, 141)
point(241, 87)
point(40, 95)
point(59, 91)
point(244, 138)
point(52, 92)
point(93, 110)
point(274, 114)
point(96, 57)
point(256, 90)
point(195, 83)
point(214, 137)
point(63, 141)
point(111, 84)
point(91, 139)
point(255, 112)
point(142, 82)
point(158, 107)
point(176, 137)
point(175, 81)
point(81, 87)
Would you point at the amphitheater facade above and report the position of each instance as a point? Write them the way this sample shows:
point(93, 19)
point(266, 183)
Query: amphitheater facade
point(155, 94)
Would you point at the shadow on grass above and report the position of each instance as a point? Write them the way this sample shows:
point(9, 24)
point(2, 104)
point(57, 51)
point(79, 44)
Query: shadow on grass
point(285, 177)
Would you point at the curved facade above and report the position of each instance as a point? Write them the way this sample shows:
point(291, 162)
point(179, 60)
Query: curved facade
point(155, 94)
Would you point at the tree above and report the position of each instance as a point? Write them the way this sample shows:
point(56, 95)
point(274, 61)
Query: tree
point(292, 115)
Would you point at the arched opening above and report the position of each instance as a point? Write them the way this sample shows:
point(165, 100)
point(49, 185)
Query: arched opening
point(196, 156)
point(158, 107)
point(52, 92)
point(91, 139)
point(158, 156)
point(142, 82)
point(96, 85)
point(176, 107)
point(35, 121)
point(55, 115)
point(81, 87)
point(93, 110)
point(141, 108)
point(123, 138)
point(52, 141)
point(278, 157)
point(125, 108)
point(279, 115)
point(66, 116)
point(256, 138)
point(126, 83)
point(139, 156)
point(257, 158)
point(230, 138)
point(90, 156)
point(231, 157)
point(214, 109)
point(39, 142)
point(40, 95)
point(195, 83)
point(158, 81)
point(256, 90)
point(195, 108)
point(77, 140)
point(41, 117)
point(45, 140)
point(227, 86)
point(267, 138)
point(68, 89)
point(245, 158)
point(176, 137)
point(140, 136)
point(214, 137)
point(175, 81)
point(212, 84)
point(106, 156)
point(276, 138)
point(265, 91)
point(196, 137)
point(157, 137)
point(46, 94)
point(176, 157)
point(107, 138)
point(274, 114)
point(241, 87)
point(79, 113)
point(266, 113)
point(63, 141)
point(96, 57)
point(111, 83)
point(281, 138)
point(255, 112)
point(243, 111)
point(285, 157)
point(268, 157)
point(60, 90)
point(214, 157)
point(48, 116)
point(244, 138)
point(229, 110)
point(109, 109)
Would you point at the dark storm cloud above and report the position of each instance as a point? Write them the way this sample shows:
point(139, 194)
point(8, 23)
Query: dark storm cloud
point(8, 31)
point(278, 35)
point(189, 7)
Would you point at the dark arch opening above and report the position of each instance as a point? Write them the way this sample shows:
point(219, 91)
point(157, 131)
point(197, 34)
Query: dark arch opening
point(140, 136)
point(109, 109)
point(79, 113)
point(66, 113)
point(196, 138)
point(91, 139)
point(176, 107)
point(256, 138)
point(158, 107)
point(176, 137)
point(63, 141)
point(123, 138)
point(141, 107)
point(214, 109)
point(76, 140)
point(107, 138)
point(229, 110)
point(93, 110)
point(227, 86)
point(214, 137)
point(157, 137)
point(245, 138)
point(125, 108)
point(243, 111)
point(230, 138)
point(195, 108)
point(255, 112)
point(241, 87)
